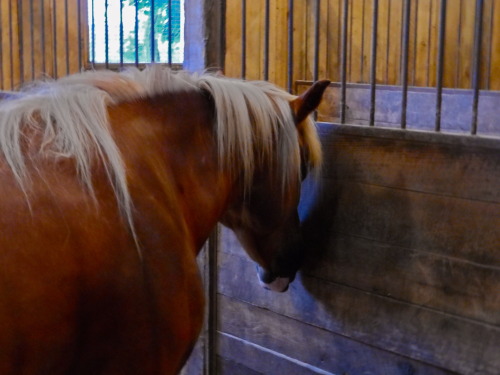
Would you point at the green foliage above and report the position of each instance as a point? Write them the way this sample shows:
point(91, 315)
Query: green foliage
point(161, 28)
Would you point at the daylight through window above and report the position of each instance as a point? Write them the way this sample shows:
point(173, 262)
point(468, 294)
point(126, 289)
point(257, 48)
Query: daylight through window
point(136, 31)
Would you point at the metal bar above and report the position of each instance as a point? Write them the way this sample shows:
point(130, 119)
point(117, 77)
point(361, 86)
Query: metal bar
point(136, 31)
point(170, 55)
point(42, 36)
point(266, 39)
point(106, 35)
point(440, 64)
point(388, 37)
point(11, 49)
point(478, 33)
point(404, 62)
point(362, 54)
point(121, 34)
point(66, 35)
point(80, 42)
point(32, 40)
point(317, 9)
point(54, 37)
point(243, 38)
point(93, 35)
point(289, 80)
point(343, 63)
point(373, 63)
point(1, 52)
point(152, 36)
point(21, 39)
point(212, 260)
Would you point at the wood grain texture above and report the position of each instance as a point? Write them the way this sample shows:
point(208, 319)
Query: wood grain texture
point(37, 44)
point(423, 43)
point(402, 265)
point(373, 324)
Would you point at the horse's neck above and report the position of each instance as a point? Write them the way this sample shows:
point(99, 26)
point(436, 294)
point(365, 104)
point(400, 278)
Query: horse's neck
point(171, 159)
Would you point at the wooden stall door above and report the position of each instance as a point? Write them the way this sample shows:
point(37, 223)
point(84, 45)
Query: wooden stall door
point(402, 267)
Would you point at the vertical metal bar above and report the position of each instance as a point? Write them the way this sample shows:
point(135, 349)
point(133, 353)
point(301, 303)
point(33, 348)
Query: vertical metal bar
point(170, 33)
point(152, 36)
point(478, 33)
point(136, 30)
point(316, 40)
point(80, 42)
point(66, 34)
point(54, 37)
point(362, 54)
point(388, 37)
point(266, 39)
point(106, 35)
point(440, 64)
point(373, 63)
point(93, 34)
point(121, 34)
point(32, 40)
point(42, 36)
point(243, 38)
point(1, 51)
point(289, 80)
point(212, 260)
point(21, 39)
point(343, 68)
point(404, 62)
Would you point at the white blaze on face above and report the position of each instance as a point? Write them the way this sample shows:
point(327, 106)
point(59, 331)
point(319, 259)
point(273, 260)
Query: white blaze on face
point(280, 284)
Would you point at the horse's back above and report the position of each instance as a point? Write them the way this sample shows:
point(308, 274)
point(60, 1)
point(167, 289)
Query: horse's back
point(75, 295)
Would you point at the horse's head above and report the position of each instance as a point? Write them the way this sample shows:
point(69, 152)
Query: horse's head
point(266, 220)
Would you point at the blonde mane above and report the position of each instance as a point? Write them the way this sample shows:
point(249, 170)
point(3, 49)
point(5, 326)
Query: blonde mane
point(71, 115)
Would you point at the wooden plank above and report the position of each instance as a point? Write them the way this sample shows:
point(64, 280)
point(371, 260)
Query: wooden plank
point(437, 224)
point(233, 38)
point(228, 367)
point(380, 323)
point(258, 358)
point(415, 164)
point(438, 282)
point(325, 352)
point(299, 41)
point(383, 42)
point(255, 40)
point(494, 73)
point(277, 43)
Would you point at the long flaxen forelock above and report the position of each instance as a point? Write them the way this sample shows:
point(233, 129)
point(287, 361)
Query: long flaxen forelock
point(253, 124)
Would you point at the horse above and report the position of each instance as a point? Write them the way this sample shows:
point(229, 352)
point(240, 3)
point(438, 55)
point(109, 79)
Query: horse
point(111, 182)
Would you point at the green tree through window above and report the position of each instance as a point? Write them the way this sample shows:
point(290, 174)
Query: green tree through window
point(142, 41)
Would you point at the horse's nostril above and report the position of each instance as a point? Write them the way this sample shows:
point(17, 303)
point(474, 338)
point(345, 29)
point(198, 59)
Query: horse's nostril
point(265, 276)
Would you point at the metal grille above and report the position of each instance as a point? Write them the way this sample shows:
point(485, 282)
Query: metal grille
point(354, 47)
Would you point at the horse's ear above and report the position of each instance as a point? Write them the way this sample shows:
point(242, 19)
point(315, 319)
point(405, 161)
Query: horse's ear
point(309, 100)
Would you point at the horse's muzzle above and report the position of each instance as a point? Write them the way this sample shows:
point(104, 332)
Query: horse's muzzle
point(273, 282)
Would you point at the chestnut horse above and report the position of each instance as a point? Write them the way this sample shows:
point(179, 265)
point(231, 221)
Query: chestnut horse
point(110, 185)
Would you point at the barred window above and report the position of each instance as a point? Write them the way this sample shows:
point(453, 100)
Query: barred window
point(136, 31)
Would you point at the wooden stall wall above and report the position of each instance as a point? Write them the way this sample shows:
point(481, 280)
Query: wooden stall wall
point(402, 267)
point(459, 42)
point(41, 38)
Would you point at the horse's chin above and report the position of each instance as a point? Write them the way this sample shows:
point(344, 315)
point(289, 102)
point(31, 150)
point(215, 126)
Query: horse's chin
point(280, 284)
